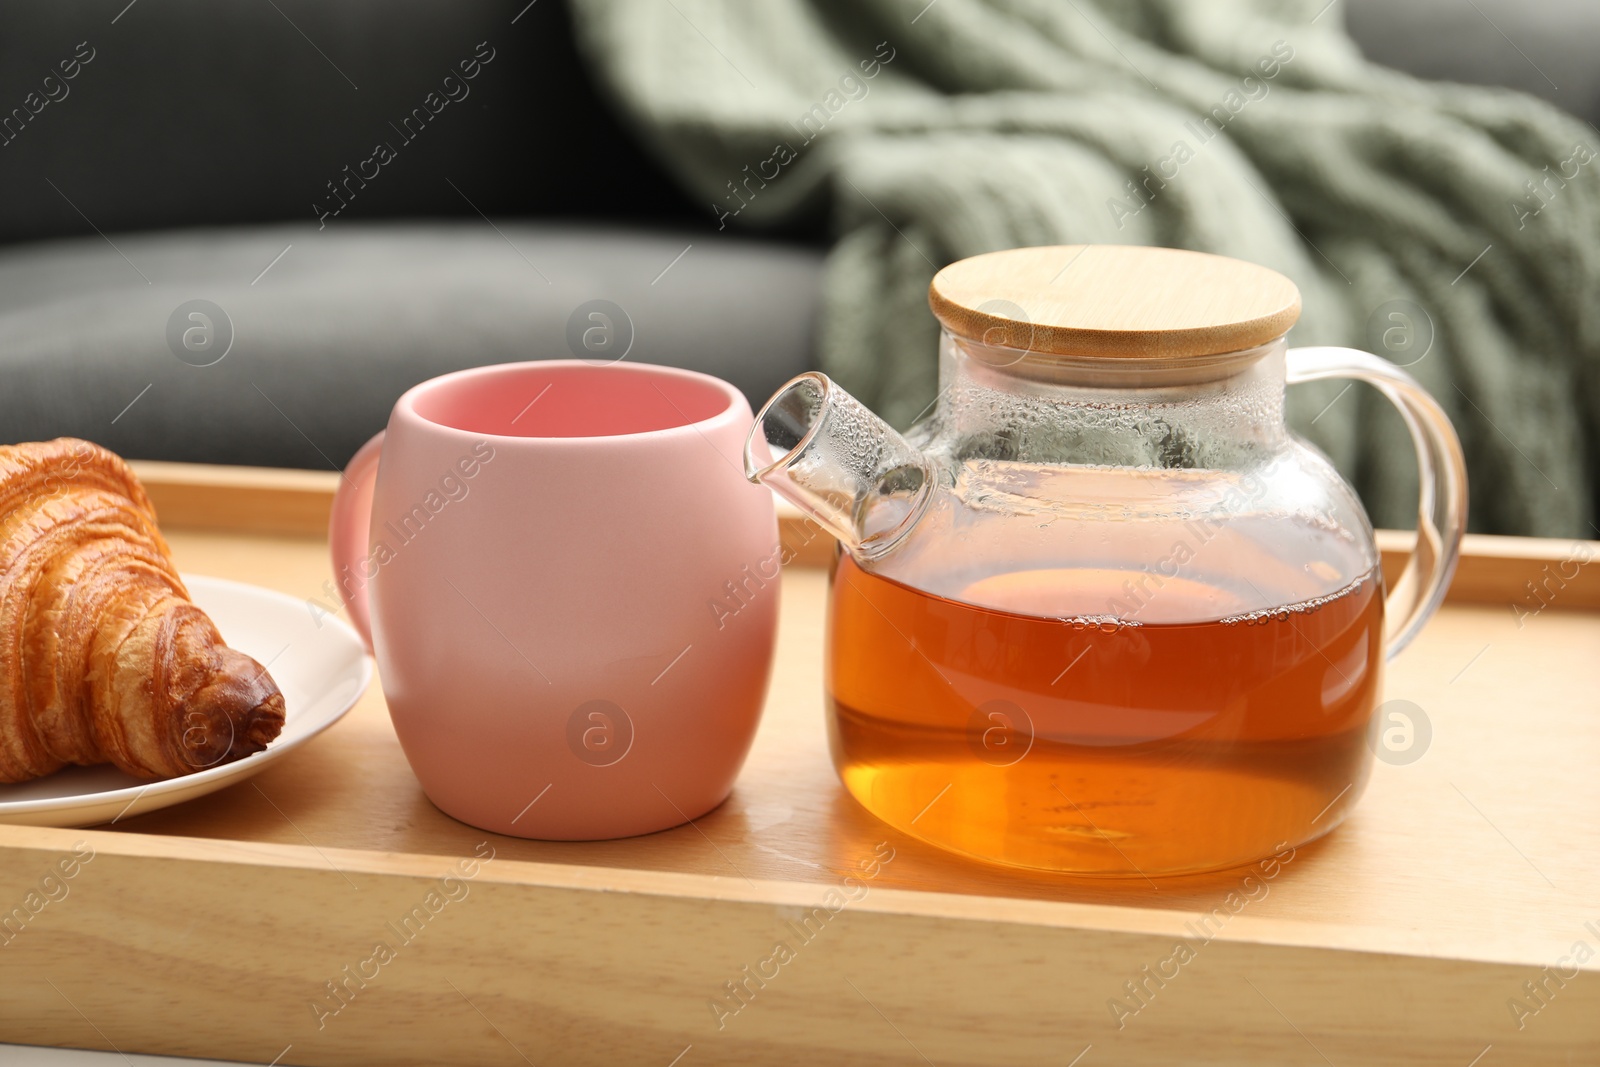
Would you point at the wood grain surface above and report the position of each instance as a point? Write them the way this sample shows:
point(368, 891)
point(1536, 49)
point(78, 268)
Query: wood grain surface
point(1405, 937)
point(261, 500)
point(1113, 301)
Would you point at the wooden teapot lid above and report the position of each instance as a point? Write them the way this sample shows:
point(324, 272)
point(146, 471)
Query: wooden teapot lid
point(1113, 301)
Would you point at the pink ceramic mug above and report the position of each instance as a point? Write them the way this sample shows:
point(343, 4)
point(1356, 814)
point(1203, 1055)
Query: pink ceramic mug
point(560, 568)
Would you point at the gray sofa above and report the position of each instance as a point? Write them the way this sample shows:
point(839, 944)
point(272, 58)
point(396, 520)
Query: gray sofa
point(196, 156)
point(348, 318)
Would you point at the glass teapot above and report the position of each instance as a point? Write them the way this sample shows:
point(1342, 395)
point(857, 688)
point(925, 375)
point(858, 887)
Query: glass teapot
point(1101, 612)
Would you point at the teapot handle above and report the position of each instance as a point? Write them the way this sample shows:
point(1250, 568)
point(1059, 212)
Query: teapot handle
point(1441, 478)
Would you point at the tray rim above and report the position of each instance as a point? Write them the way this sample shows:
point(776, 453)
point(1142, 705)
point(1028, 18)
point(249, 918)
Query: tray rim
point(1149, 922)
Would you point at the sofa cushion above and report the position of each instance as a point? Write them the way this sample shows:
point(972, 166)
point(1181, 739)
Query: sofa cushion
point(329, 335)
point(1543, 47)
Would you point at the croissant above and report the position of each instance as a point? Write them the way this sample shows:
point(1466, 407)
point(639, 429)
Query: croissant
point(103, 657)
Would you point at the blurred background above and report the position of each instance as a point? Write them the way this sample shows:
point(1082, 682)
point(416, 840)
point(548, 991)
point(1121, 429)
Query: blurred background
point(358, 195)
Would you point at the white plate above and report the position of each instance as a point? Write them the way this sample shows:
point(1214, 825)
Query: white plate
point(322, 670)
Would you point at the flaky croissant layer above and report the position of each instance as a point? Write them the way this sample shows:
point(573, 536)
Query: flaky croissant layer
point(103, 657)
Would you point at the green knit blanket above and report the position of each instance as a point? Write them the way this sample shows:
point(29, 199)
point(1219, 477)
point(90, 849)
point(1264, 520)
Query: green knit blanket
point(1455, 230)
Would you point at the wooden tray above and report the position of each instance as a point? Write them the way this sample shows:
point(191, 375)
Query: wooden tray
point(1461, 889)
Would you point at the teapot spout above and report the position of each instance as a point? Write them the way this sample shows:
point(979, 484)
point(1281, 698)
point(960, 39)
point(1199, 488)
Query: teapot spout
point(822, 450)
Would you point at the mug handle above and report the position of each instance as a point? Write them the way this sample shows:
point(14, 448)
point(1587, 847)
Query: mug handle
point(1441, 478)
point(349, 533)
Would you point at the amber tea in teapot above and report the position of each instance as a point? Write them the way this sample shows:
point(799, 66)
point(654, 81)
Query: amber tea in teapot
point(1157, 780)
point(1101, 612)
